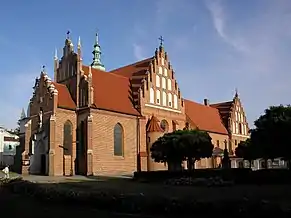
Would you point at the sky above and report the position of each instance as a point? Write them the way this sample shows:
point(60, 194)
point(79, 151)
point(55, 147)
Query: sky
point(214, 46)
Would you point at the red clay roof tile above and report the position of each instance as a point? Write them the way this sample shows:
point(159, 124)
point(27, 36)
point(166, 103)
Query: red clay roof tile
point(112, 92)
point(205, 117)
point(135, 69)
point(64, 97)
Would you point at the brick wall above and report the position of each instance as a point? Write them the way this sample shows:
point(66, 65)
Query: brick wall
point(104, 161)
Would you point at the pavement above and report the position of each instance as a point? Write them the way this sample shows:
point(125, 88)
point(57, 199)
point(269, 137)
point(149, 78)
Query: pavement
point(58, 179)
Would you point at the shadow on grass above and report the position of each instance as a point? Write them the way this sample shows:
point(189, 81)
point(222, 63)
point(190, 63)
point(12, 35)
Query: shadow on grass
point(128, 196)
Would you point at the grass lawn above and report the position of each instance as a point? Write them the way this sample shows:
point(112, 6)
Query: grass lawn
point(277, 193)
point(17, 204)
point(21, 206)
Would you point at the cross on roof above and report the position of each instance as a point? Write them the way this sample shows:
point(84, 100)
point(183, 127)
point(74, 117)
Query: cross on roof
point(161, 40)
point(68, 34)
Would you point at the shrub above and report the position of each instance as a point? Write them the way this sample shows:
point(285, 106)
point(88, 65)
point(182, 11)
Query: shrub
point(236, 175)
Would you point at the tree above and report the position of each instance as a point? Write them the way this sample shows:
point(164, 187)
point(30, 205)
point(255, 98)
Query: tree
point(246, 151)
point(166, 150)
point(190, 145)
point(270, 137)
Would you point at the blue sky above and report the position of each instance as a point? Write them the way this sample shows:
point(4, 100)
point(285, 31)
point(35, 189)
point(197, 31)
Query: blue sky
point(214, 46)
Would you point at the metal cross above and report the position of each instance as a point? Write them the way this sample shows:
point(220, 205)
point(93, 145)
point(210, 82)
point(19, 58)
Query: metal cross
point(161, 40)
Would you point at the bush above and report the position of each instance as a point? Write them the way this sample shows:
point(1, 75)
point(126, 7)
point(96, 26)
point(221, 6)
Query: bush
point(236, 175)
point(130, 203)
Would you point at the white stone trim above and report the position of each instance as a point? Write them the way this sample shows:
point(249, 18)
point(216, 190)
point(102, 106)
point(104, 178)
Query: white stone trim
point(162, 108)
point(245, 136)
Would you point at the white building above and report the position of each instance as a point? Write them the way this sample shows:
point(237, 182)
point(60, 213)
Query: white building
point(8, 144)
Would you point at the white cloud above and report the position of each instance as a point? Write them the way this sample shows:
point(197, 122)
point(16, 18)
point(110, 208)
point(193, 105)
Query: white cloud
point(138, 51)
point(220, 21)
point(261, 67)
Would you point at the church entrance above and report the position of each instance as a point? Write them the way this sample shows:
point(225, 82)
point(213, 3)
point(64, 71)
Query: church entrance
point(81, 157)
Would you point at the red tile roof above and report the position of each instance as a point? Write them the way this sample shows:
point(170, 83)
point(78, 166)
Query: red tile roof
point(64, 97)
point(136, 69)
point(111, 92)
point(204, 117)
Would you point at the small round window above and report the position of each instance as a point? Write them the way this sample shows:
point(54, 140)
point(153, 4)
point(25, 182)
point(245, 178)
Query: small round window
point(164, 125)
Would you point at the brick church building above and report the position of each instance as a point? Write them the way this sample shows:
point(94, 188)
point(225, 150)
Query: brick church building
point(90, 121)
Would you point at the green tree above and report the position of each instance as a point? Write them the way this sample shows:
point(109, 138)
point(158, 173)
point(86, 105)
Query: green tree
point(190, 145)
point(166, 150)
point(270, 137)
point(246, 151)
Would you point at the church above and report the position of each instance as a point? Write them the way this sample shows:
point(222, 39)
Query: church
point(90, 121)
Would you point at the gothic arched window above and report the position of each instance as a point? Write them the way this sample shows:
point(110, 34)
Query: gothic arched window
point(118, 140)
point(68, 138)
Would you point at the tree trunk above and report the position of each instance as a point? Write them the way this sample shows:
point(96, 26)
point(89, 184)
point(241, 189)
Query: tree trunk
point(174, 166)
point(266, 163)
point(190, 164)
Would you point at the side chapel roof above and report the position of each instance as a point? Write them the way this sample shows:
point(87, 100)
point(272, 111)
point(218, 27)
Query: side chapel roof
point(204, 117)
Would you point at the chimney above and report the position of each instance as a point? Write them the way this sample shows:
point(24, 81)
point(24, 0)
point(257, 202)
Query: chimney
point(206, 102)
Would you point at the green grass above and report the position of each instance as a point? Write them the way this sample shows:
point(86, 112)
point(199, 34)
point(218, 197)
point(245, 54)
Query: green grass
point(274, 193)
point(278, 193)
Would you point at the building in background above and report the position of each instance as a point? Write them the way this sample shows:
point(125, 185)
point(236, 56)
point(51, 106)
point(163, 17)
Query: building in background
point(90, 121)
point(8, 146)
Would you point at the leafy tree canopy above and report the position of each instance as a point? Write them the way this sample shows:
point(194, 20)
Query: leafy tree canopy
point(271, 136)
point(182, 145)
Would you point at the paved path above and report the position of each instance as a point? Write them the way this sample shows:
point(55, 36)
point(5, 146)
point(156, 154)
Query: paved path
point(57, 179)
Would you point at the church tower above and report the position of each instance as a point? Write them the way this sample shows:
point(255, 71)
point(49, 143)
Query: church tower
point(97, 64)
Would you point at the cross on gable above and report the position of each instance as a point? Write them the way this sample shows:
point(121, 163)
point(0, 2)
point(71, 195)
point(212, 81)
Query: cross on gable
point(68, 34)
point(161, 40)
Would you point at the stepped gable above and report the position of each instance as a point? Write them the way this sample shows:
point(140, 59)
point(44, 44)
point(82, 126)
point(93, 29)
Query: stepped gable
point(224, 109)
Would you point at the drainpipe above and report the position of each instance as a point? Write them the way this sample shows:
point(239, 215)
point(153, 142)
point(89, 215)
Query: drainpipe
point(138, 144)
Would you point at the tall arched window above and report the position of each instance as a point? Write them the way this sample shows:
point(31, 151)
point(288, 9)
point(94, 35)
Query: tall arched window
point(152, 96)
point(158, 83)
point(68, 138)
point(118, 140)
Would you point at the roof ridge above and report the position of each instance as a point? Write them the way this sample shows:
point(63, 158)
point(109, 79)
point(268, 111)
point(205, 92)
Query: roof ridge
point(223, 102)
point(106, 72)
point(132, 64)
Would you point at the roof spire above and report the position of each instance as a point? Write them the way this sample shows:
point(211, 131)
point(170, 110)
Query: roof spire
point(23, 115)
point(97, 64)
point(79, 42)
point(56, 54)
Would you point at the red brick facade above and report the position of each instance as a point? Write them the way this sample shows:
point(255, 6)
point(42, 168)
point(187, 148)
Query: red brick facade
point(103, 123)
